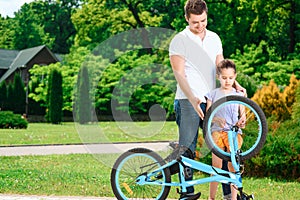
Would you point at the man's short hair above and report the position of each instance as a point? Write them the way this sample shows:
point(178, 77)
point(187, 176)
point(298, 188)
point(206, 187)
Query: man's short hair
point(196, 7)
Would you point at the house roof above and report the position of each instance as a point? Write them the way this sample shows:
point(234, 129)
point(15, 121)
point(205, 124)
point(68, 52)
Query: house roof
point(7, 57)
point(21, 59)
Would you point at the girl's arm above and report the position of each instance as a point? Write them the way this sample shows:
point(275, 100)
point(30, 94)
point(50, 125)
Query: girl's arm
point(242, 113)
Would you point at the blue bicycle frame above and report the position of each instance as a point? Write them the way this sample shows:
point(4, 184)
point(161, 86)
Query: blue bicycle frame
point(218, 175)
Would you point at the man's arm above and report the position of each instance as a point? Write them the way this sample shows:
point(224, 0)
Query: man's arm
point(177, 63)
point(238, 87)
point(219, 58)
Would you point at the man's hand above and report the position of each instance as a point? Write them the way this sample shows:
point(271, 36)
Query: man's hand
point(239, 88)
point(196, 104)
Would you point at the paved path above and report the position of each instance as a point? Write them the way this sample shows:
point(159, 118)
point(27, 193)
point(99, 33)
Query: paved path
point(78, 149)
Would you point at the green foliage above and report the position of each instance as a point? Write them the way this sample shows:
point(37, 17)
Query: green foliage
point(261, 64)
point(42, 22)
point(19, 94)
point(248, 83)
point(296, 106)
point(55, 97)
point(280, 156)
point(84, 101)
point(135, 84)
point(261, 53)
point(7, 27)
point(3, 95)
point(284, 21)
point(10, 95)
point(29, 31)
point(10, 120)
point(69, 69)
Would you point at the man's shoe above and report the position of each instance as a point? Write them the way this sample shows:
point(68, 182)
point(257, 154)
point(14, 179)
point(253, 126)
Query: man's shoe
point(190, 196)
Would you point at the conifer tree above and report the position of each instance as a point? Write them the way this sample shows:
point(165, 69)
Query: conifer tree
point(10, 97)
point(3, 95)
point(49, 89)
point(19, 94)
point(84, 102)
point(55, 98)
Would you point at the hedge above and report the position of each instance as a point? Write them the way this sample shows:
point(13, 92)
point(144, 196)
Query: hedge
point(10, 120)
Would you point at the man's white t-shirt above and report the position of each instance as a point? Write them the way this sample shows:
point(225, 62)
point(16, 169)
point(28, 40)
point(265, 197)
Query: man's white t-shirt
point(200, 58)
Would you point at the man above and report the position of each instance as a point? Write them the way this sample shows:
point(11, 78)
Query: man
point(194, 54)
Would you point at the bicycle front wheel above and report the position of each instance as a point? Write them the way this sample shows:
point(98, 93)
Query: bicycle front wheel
point(131, 165)
point(253, 129)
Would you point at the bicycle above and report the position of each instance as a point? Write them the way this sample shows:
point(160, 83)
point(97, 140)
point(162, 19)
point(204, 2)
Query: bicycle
point(141, 173)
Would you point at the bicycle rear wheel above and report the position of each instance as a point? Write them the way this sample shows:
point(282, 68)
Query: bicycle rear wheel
point(254, 130)
point(132, 164)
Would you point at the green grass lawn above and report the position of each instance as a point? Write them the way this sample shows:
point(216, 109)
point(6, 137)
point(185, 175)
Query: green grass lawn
point(88, 175)
point(83, 175)
point(68, 133)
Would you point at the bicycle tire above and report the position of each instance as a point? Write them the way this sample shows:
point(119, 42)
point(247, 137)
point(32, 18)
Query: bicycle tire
point(254, 133)
point(129, 166)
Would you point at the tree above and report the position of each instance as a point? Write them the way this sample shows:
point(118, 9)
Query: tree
point(261, 64)
point(7, 27)
point(277, 20)
point(3, 95)
point(59, 25)
point(55, 98)
point(19, 94)
point(10, 96)
point(110, 17)
point(84, 101)
point(46, 22)
point(29, 30)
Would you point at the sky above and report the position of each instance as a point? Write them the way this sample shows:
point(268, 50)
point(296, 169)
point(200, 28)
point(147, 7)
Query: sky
point(8, 7)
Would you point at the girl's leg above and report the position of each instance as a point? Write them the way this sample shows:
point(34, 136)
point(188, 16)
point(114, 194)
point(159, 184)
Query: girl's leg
point(233, 190)
point(216, 162)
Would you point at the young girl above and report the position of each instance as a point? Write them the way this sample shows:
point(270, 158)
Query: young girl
point(226, 74)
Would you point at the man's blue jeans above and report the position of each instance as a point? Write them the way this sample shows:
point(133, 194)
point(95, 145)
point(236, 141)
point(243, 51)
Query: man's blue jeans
point(188, 122)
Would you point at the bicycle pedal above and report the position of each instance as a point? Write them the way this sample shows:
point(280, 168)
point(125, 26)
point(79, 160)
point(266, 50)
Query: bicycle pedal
point(190, 196)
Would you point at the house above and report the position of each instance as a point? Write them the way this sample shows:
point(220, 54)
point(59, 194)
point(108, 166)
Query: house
point(12, 61)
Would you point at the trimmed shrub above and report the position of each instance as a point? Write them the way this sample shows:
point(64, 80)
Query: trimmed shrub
point(289, 94)
point(270, 99)
point(280, 156)
point(10, 120)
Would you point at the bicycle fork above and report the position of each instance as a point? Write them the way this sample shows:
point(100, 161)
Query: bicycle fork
point(236, 160)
